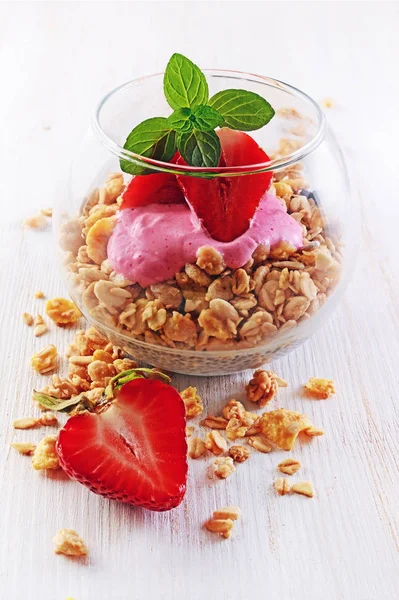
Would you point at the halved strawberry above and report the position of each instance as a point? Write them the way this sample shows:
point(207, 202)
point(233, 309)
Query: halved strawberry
point(226, 205)
point(135, 450)
point(156, 188)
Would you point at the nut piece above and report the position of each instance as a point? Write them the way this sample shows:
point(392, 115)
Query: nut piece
point(45, 455)
point(68, 542)
point(313, 431)
point(289, 466)
point(282, 486)
point(262, 388)
point(221, 526)
point(28, 319)
point(48, 419)
point(215, 422)
point(304, 488)
point(40, 326)
point(220, 320)
point(259, 443)
point(62, 311)
point(45, 360)
point(321, 388)
point(228, 512)
point(223, 467)
point(239, 453)
point(39, 294)
point(196, 447)
point(26, 448)
point(215, 443)
point(210, 260)
point(26, 423)
point(192, 402)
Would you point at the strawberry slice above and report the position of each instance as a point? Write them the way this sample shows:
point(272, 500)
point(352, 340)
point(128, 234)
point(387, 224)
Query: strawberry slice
point(226, 205)
point(133, 451)
point(156, 188)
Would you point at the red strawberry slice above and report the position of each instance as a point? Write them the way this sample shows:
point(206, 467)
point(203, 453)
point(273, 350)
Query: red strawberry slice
point(135, 450)
point(156, 188)
point(226, 205)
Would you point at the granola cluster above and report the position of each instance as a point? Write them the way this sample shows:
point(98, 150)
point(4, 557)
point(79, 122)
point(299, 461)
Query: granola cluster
point(206, 306)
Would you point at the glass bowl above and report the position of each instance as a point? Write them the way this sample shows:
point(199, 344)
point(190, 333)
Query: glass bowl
point(279, 298)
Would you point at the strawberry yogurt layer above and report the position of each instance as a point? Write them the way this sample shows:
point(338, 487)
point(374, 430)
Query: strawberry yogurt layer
point(150, 244)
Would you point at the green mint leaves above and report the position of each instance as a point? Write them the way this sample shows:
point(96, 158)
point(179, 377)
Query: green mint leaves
point(190, 129)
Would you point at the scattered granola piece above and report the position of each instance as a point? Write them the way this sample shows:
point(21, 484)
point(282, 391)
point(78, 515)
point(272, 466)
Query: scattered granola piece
point(260, 444)
point(124, 364)
point(45, 455)
point(215, 443)
point(328, 102)
point(196, 447)
point(313, 431)
point(189, 431)
point(223, 467)
point(39, 294)
point(26, 448)
point(48, 419)
point(304, 488)
point(282, 486)
point(68, 542)
point(62, 311)
point(40, 326)
point(47, 212)
point(227, 512)
point(221, 526)
point(289, 466)
point(234, 409)
point(210, 260)
point(319, 387)
point(281, 427)
point(236, 429)
point(192, 402)
point(262, 388)
point(215, 422)
point(239, 453)
point(26, 423)
point(35, 222)
point(45, 360)
point(28, 319)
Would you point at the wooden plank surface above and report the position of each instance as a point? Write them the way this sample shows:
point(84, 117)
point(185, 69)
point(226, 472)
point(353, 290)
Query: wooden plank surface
point(56, 60)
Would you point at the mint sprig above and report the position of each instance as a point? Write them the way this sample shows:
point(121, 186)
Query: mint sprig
point(190, 128)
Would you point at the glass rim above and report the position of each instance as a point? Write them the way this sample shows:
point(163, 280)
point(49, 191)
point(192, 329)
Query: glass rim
point(162, 166)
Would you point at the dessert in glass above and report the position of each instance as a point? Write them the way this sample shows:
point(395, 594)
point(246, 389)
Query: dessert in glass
point(208, 269)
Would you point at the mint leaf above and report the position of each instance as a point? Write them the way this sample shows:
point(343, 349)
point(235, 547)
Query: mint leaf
point(207, 118)
point(199, 148)
point(181, 120)
point(184, 83)
point(152, 138)
point(242, 110)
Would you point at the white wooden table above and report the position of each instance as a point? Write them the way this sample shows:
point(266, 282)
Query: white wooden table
point(56, 61)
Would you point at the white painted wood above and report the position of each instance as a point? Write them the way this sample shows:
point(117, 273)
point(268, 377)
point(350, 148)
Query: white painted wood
point(56, 60)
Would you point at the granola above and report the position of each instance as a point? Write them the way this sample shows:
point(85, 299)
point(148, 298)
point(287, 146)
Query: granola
point(207, 306)
point(62, 311)
point(45, 360)
point(68, 542)
point(45, 454)
point(320, 388)
point(289, 466)
point(223, 467)
point(281, 427)
point(239, 453)
point(304, 488)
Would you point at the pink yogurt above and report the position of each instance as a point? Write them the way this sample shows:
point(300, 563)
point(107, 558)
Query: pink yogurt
point(151, 243)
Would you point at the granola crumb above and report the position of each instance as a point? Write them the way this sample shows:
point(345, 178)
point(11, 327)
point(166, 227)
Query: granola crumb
point(215, 443)
point(45, 360)
point(196, 447)
point(282, 486)
point(48, 419)
point(227, 512)
point(26, 448)
point(239, 453)
point(289, 466)
point(189, 431)
point(36, 222)
point(260, 444)
point(328, 102)
point(26, 423)
point(40, 326)
point(304, 488)
point(68, 542)
point(192, 402)
point(214, 422)
point(221, 526)
point(223, 467)
point(262, 387)
point(62, 311)
point(47, 212)
point(319, 387)
point(45, 455)
point(39, 294)
point(313, 431)
point(28, 319)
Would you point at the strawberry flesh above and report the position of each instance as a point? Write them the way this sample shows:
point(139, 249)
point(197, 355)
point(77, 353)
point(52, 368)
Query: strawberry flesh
point(135, 450)
point(226, 205)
